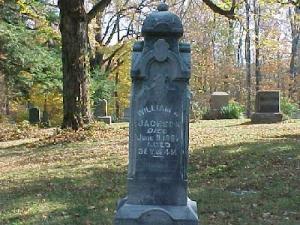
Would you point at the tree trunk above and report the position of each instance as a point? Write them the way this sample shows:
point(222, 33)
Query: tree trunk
point(295, 56)
point(229, 55)
point(6, 108)
point(213, 86)
point(2, 94)
point(294, 64)
point(257, 17)
point(248, 59)
point(239, 52)
point(74, 31)
point(117, 101)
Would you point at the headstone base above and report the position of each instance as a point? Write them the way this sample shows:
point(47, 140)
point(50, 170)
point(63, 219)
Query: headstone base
point(129, 214)
point(213, 115)
point(266, 117)
point(105, 119)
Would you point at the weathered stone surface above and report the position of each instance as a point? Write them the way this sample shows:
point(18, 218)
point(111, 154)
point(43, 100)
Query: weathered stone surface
point(266, 117)
point(34, 115)
point(267, 107)
point(157, 215)
point(159, 125)
point(105, 119)
point(267, 102)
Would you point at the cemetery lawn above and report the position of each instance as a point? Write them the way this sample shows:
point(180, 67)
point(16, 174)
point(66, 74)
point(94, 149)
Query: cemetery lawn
point(239, 174)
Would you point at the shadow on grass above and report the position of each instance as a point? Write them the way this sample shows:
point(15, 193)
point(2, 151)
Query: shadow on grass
point(19, 150)
point(295, 137)
point(241, 124)
point(247, 183)
point(36, 148)
point(89, 199)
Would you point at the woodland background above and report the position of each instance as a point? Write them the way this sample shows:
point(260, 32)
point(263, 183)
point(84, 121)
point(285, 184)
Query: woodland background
point(239, 47)
point(63, 57)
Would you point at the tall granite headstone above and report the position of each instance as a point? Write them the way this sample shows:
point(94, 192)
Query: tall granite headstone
point(159, 127)
point(267, 107)
point(100, 112)
point(34, 115)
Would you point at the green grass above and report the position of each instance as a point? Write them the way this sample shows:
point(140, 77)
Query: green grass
point(238, 174)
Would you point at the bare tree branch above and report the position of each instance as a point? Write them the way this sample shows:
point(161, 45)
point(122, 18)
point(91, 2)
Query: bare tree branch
point(295, 3)
point(99, 7)
point(230, 14)
point(111, 27)
point(112, 55)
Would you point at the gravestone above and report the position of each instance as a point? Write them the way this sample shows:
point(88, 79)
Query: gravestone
point(100, 112)
point(101, 108)
point(45, 119)
point(126, 116)
point(296, 115)
point(217, 101)
point(34, 115)
point(267, 107)
point(159, 127)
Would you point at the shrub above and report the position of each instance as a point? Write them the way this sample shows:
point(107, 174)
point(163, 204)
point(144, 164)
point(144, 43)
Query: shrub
point(288, 108)
point(197, 112)
point(20, 116)
point(232, 111)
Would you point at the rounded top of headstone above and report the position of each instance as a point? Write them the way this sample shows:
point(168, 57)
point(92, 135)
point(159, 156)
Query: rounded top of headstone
point(162, 7)
point(162, 22)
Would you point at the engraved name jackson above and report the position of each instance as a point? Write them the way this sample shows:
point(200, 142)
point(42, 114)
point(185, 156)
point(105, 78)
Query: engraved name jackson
point(158, 138)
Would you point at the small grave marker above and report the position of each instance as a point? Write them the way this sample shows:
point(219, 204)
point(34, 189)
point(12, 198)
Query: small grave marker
point(34, 115)
point(100, 112)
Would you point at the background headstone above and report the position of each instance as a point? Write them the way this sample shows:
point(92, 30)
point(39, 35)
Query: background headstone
point(217, 101)
point(45, 119)
point(296, 115)
point(267, 107)
point(34, 115)
point(101, 108)
point(126, 116)
point(100, 113)
point(159, 126)
point(267, 102)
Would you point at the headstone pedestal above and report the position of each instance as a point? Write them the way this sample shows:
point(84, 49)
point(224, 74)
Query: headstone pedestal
point(159, 127)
